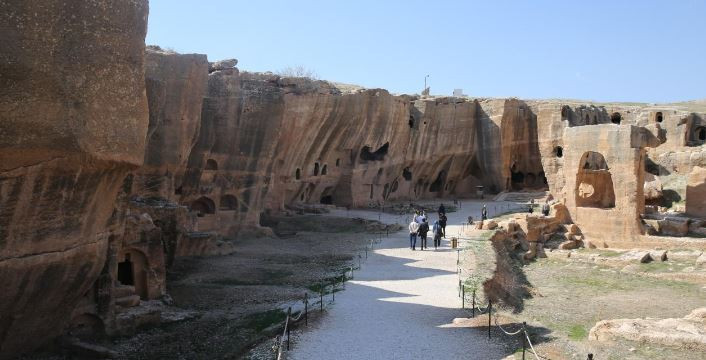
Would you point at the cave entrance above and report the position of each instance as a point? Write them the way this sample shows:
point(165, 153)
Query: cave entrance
point(701, 133)
point(438, 184)
point(228, 202)
point(203, 206)
point(324, 170)
point(316, 169)
point(594, 182)
point(298, 174)
point(211, 164)
point(659, 117)
point(132, 271)
point(327, 200)
point(411, 121)
point(559, 151)
point(615, 118)
point(407, 174)
point(378, 155)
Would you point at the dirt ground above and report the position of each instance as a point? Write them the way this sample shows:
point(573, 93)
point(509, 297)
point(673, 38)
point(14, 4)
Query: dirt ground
point(573, 290)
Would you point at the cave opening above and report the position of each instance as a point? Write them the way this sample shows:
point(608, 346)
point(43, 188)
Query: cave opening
point(701, 133)
point(338, 162)
point(559, 151)
point(126, 271)
point(438, 184)
point(324, 170)
point(394, 186)
point(298, 174)
point(407, 174)
point(659, 117)
point(211, 164)
point(615, 118)
point(594, 182)
point(371, 190)
point(411, 122)
point(588, 120)
point(326, 200)
point(203, 206)
point(316, 169)
point(228, 202)
point(377, 155)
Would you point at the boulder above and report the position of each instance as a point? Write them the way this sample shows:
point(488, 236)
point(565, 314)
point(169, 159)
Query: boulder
point(571, 244)
point(660, 255)
point(673, 226)
point(490, 225)
point(652, 187)
point(688, 332)
point(479, 225)
point(696, 192)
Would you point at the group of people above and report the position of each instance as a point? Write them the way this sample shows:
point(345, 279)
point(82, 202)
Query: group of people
point(419, 227)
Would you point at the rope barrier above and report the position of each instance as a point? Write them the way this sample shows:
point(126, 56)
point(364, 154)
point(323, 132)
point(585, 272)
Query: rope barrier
point(505, 331)
point(531, 347)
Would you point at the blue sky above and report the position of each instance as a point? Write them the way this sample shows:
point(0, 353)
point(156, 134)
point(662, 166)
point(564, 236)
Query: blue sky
point(646, 51)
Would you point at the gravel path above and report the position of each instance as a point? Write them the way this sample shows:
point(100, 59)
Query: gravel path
point(400, 305)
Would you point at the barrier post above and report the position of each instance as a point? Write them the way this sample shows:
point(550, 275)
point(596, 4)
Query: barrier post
point(490, 311)
point(321, 292)
point(343, 280)
point(333, 289)
point(366, 252)
point(289, 315)
point(463, 297)
point(473, 311)
point(522, 334)
point(306, 309)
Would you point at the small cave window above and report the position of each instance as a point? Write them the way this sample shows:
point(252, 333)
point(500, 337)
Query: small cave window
point(324, 170)
point(298, 174)
point(228, 202)
point(211, 164)
point(126, 271)
point(594, 183)
point(379, 171)
point(588, 120)
point(701, 133)
point(178, 191)
point(326, 200)
point(659, 117)
point(316, 169)
point(338, 162)
point(565, 111)
point(411, 121)
point(385, 191)
point(438, 184)
point(559, 151)
point(378, 155)
point(203, 206)
point(615, 118)
point(394, 186)
point(407, 174)
point(371, 190)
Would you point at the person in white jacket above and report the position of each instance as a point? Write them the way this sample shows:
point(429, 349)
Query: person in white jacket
point(413, 228)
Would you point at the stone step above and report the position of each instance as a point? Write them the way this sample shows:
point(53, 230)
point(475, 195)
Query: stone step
point(123, 290)
point(128, 301)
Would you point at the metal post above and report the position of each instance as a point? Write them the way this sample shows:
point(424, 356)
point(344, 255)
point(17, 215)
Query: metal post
point(522, 333)
point(321, 292)
point(459, 287)
point(458, 256)
point(463, 296)
point(366, 252)
point(333, 289)
point(473, 311)
point(289, 315)
point(490, 311)
point(343, 280)
point(306, 309)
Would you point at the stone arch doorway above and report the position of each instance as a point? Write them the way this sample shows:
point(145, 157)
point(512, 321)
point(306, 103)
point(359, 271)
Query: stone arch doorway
point(228, 202)
point(594, 182)
point(132, 271)
point(203, 206)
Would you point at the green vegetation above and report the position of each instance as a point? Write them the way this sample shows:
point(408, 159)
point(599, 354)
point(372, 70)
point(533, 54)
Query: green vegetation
point(577, 332)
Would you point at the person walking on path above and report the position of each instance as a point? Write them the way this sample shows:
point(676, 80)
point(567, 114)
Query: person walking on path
point(484, 213)
point(423, 230)
point(420, 218)
point(545, 209)
point(413, 228)
point(442, 222)
point(436, 231)
point(442, 209)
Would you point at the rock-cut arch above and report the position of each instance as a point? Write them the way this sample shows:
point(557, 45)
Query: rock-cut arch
point(594, 182)
point(228, 202)
point(203, 206)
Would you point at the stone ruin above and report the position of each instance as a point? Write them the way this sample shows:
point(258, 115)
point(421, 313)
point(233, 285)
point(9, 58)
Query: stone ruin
point(117, 158)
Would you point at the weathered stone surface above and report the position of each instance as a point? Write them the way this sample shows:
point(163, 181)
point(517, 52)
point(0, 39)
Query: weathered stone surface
point(673, 226)
point(696, 193)
point(490, 225)
point(685, 333)
point(652, 187)
point(225, 64)
point(74, 118)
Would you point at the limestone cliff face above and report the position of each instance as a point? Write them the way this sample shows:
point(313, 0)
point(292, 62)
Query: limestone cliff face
point(74, 115)
point(268, 142)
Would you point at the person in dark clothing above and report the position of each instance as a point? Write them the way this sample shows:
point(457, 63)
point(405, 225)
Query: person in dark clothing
point(442, 209)
point(484, 213)
point(423, 230)
point(530, 208)
point(442, 223)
